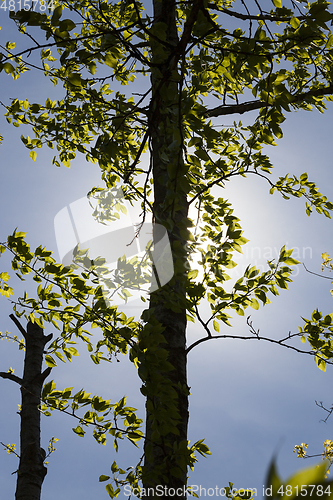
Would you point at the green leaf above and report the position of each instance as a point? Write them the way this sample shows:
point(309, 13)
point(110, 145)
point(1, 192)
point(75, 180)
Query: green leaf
point(33, 155)
point(110, 60)
point(9, 68)
point(50, 361)
point(273, 481)
point(57, 15)
point(309, 476)
point(6, 290)
point(75, 79)
point(73, 351)
point(291, 262)
point(67, 25)
point(112, 493)
point(79, 431)
point(200, 153)
point(321, 363)
point(4, 276)
point(114, 467)
point(295, 23)
point(60, 356)
point(103, 478)
point(66, 393)
point(193, 273)
point(254, 304)
point(316, 315)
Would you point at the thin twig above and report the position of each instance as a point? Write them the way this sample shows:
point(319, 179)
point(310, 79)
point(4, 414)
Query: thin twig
point(316, 274)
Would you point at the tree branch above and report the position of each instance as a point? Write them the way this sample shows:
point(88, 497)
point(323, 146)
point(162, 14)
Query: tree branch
point(12, 377)
point(188, 27)
point(316, 274)
point(45, 374)
point(329, 411)
point(18, 324)
point(10, 450)
point(138, 156)
point(252, 105)
point(257, 17)
point(257, 337)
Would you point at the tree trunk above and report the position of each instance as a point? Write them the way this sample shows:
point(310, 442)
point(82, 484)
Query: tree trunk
point(164, 367)
point(31, 471)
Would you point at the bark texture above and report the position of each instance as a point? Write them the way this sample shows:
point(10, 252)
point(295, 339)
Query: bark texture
point(165, 462)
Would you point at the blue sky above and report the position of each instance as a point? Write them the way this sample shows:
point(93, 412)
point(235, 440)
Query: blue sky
point(249, 399)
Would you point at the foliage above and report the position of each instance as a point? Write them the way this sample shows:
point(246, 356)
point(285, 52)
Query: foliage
point(308, 483)
point(327, 264)
point(318, 330)
point(190, 67)
point(322, 345)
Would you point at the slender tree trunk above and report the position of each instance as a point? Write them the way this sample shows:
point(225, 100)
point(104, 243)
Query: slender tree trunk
point(31, 471)
point(167, 403)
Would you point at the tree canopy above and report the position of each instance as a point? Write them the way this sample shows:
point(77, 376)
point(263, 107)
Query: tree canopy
point(144, 81)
